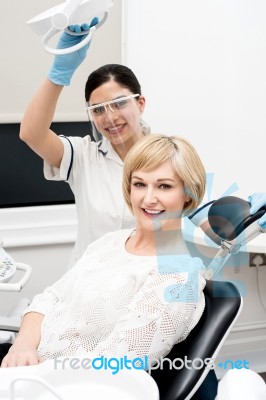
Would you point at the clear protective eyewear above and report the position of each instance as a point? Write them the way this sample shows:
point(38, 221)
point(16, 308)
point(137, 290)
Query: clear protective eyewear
point(97, 110)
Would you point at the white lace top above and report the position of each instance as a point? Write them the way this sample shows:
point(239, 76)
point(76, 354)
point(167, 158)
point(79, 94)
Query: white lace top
point(113, 303)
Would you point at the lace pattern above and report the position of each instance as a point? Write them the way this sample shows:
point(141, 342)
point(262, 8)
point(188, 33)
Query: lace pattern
point(113, 303)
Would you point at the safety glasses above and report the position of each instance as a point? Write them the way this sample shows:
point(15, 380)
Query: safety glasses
point(97, 110)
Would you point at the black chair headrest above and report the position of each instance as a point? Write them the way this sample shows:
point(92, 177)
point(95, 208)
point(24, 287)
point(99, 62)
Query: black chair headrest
point(230, 215)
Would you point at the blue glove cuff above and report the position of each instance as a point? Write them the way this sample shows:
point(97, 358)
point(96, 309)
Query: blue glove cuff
point(58, 77)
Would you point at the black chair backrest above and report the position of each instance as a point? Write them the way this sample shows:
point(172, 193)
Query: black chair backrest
point(223, 305)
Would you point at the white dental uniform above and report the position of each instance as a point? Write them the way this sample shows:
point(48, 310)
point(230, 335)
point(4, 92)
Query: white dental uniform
point(94, 173)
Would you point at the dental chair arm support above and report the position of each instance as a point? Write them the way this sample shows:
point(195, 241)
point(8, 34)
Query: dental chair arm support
point(11, 324)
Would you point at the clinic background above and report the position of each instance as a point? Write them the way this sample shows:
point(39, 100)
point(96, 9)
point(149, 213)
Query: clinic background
point(202, 68)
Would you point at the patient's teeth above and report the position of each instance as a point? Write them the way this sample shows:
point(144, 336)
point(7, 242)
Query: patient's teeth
point(152, 211)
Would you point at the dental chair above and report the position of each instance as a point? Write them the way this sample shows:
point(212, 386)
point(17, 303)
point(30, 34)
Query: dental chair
point(231, 222)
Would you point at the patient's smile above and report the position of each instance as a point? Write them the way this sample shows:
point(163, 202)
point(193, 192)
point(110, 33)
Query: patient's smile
point(152, 213)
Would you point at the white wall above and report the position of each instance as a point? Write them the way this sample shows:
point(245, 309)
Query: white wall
point(202, 66)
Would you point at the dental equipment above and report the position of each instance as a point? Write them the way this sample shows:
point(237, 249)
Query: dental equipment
point(51, 381)
point(230, 220)
point(71, 12)
point(8, 270)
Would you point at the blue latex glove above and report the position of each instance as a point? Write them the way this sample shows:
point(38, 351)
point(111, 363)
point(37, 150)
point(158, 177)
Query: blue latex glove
point(65, 65)
point(258, 200)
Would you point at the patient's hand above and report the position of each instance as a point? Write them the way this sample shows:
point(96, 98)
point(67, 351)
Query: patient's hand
point(20, 355)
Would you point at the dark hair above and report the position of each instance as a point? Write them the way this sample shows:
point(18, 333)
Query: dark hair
point(119, 73)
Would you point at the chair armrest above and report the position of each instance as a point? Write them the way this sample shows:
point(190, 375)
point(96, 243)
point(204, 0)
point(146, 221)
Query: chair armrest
point(12, 321)
point(19, 308)
point(10, 324)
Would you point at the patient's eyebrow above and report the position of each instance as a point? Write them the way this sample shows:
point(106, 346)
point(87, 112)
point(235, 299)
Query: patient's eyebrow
point(158, 180)
point(165, 179)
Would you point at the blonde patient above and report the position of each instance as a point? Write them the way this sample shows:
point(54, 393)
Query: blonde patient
point(113, 302)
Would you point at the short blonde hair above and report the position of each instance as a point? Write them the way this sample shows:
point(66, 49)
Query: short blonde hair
point(152, 150)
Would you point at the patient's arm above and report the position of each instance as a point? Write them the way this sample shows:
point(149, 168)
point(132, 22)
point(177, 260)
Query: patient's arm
point(24, 350)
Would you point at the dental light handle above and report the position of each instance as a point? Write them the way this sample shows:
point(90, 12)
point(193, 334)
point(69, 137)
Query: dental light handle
point(52, 32)
point(90, 33)
point(71, 12)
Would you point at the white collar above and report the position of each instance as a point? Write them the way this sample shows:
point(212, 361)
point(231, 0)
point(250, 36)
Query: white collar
point(108, 151)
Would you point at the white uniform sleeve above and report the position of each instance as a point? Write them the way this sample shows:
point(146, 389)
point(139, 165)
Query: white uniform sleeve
point(154, 322)
point(62, 173)
point(75, 150)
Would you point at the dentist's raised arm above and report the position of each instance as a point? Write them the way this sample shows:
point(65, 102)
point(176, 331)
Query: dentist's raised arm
point(35, 126)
